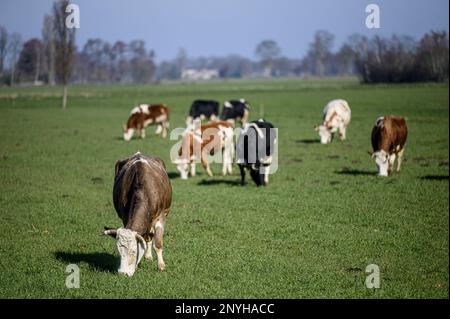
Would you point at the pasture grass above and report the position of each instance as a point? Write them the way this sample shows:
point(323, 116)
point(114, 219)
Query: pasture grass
point(310, 234)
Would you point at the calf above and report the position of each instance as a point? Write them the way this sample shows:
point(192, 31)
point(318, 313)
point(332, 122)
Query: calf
point(388, 143)
point(144, 115)
point(203, 109)
point(255, 149)
point(199, 141)
point(336, 117)
point(142, 197)
point(234, 110)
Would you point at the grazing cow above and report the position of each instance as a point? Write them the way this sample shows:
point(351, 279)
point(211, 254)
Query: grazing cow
point(388, 143)
point(336, 117)
point(234, 110)
point(255, 149)
point(142, 197)
point(199, 141)
point(203, 109)
point(144, 115)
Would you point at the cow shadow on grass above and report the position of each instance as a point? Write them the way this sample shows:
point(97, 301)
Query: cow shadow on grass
point(99, 261)
point(355, 172)
point(212, 182)
point(173, 175)
point(435, 177)
point(308, 141)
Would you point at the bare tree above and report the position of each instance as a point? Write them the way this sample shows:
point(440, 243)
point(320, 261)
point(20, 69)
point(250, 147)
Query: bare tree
point(320, 50)
point(3, 47)
point(64, 46)
point(48, 39)
point(268, 51)
point(15, 43)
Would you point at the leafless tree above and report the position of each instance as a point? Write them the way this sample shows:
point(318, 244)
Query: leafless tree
point(268, 51)
point(48, 39)
point(14, 46)
point(3, 47)
point(64, 46)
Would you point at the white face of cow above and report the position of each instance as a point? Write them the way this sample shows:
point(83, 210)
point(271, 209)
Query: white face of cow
point(324, 133)
point(128, 134)
point(382, 161)
point(131, 251)
point(183, 168)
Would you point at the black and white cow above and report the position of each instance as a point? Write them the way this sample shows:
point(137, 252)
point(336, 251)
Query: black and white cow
point(203, 109)
point(236, 110)
point(255, 150)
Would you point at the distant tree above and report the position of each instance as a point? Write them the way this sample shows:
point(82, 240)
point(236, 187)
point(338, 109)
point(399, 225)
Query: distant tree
point(30, 60)
point(48, 40)
point(15, 43)
point(64, 46)
point(432, 60)
point(345, 60)
point(3, 47)
point(267, 51)
point(320, 51)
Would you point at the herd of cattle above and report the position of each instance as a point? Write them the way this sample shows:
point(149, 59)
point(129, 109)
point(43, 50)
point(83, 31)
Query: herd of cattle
point(142, 191)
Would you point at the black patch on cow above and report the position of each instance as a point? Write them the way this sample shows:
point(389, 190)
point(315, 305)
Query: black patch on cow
point(206, 108)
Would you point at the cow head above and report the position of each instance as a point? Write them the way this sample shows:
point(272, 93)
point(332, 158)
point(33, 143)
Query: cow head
point(131, 248)
point(324, 133)
point(382, 160)
point(127, 133)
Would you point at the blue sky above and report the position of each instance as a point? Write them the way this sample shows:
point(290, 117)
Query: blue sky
point(220, 27)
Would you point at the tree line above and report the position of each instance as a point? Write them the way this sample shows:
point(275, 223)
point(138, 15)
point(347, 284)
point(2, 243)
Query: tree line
point(54, 58)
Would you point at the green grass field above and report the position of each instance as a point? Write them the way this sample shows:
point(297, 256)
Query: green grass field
point(310, 234)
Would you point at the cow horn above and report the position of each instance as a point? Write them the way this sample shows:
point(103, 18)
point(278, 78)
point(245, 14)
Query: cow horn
point(111, 232)
point(372, 154)
point(124, 127)
point(142, 240)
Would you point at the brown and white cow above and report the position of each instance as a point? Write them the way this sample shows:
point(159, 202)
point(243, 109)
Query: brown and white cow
point(388, 142)
point(199, 141)
point(336, 117)
point(144, 115)
point(142, 197)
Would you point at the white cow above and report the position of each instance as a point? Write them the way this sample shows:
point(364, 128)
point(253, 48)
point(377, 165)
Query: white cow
point(336, 117)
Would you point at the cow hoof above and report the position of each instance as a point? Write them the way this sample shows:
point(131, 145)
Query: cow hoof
point(149, 258)
point(161, 267)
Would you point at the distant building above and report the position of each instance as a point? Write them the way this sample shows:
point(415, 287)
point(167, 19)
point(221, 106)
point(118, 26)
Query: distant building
point(203, 74)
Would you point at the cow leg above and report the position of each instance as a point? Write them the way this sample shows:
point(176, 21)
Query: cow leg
point(165, 126)
point(159, 129)
point(391, 163)
point(264, 177)
point(142, 133)
point(256, 176)
point(244, 119)
point(342, 132)
point(242, 169)
point(193, 169)
point(400, 159)
point(205, 165)
point(158, 245)
point(148, 252)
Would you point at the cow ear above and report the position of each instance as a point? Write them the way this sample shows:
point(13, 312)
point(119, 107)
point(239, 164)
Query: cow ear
point(316, 128)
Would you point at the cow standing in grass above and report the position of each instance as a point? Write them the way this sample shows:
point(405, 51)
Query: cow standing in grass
point(144, 115)
point(236, 110)
point(199, 141)
point(389, 136)
point(255, 151)
point(203, 109)
point(336, 118)
point(142, 197)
